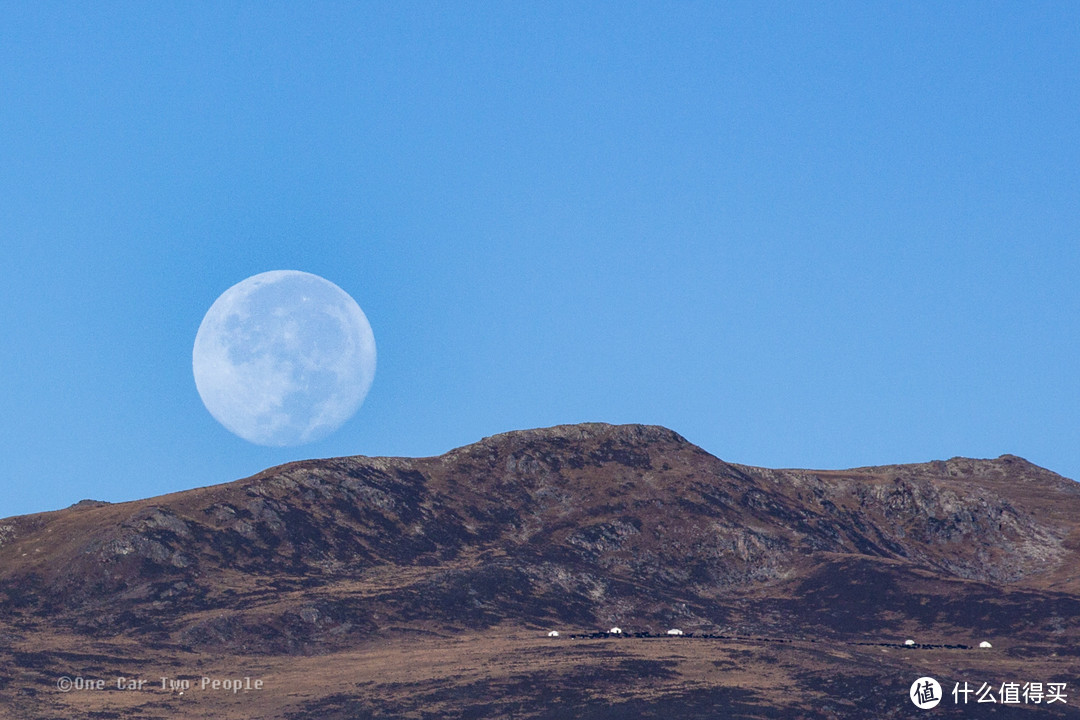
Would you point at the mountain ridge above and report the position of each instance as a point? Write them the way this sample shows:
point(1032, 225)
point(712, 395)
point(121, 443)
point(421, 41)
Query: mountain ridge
point(578, 527)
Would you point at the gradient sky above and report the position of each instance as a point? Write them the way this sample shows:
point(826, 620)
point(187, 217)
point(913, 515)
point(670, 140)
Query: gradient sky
point(800, 234)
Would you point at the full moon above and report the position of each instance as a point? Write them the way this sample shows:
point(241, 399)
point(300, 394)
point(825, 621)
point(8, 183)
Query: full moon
point(283, 358)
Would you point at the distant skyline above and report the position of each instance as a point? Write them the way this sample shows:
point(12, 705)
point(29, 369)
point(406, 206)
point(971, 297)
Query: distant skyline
point(824, 235)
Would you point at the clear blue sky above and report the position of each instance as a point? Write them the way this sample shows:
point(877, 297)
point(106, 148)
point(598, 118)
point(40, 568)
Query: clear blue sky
point(800, 234)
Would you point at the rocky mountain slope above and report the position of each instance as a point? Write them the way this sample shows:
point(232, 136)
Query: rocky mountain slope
point(573, 527)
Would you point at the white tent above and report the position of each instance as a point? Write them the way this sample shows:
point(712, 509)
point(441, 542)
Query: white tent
point(615, 631)
point(909, 642)
point(985, 644)
point(674, 631)
point(553, 633)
